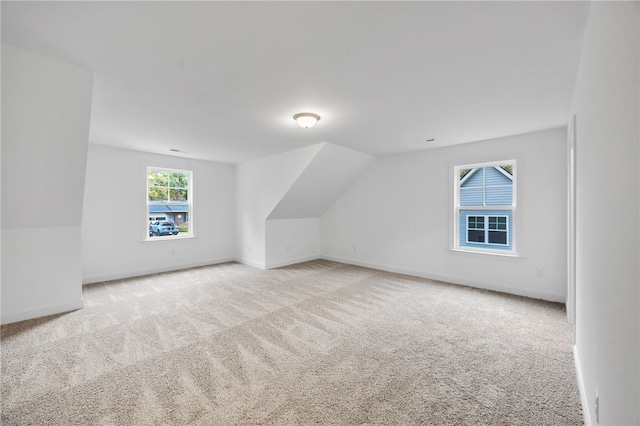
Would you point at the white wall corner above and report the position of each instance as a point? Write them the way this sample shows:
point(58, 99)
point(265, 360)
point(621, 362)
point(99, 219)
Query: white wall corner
point(250, 262)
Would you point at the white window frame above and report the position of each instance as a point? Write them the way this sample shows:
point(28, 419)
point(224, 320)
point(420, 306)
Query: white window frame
point(485, 248)
point(486, 230)
point(188, 202)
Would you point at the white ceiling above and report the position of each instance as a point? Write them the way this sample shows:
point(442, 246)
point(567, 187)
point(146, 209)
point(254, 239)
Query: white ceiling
point(221, 80)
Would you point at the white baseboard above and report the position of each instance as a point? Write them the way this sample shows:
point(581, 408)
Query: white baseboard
point(41, 311)
point(583, 394)
point(281, 263)
point(449, 279)
point(356, 262)
point(154, 270)
point(248, 262)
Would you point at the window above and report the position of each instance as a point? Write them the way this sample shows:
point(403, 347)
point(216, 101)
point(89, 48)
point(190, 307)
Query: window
point(475, 229)
point(169, 202)
point(485, 206)
point(496, 233)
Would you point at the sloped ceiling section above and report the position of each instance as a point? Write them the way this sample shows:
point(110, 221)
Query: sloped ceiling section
point(328, 175)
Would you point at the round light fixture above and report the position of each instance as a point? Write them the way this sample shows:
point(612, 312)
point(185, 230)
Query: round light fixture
point(306, 120)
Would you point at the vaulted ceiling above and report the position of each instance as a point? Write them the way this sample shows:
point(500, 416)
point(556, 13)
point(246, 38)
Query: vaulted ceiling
point(221, 80)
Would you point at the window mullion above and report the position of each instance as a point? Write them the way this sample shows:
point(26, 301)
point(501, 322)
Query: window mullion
point(486, 230)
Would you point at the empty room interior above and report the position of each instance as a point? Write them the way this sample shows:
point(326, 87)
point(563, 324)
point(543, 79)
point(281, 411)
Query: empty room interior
point(320, 212)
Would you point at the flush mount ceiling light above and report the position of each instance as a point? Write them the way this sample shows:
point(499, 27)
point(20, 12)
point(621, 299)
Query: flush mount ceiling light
point(306, 119)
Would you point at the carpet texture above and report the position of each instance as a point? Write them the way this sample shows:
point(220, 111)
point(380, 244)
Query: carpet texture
point(315, 343)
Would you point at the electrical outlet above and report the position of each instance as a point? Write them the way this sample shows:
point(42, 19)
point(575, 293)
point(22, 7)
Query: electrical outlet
point(355, 249)
point(288, 249)
point(539, 273)
point(597, 408)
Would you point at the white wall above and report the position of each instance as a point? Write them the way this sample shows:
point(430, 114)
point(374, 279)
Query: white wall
point(115, 216)
point(398, 217)
point(280, 199)
point(46, 107)
point(261, 184)
point(606, 103)
point(290, 241)
point(333, 169)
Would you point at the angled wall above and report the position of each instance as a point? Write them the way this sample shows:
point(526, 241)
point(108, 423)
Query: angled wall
point(293, 227)
point(279, 201)
point(46, 109)
point(331, 172)
point(260, 185)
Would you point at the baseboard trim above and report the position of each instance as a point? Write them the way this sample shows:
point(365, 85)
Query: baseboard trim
point(349, 261)
point(449, 279)
point(154, 270)
point(583, 394)
point(280, 264)
point(252, 263)
point(41, 311)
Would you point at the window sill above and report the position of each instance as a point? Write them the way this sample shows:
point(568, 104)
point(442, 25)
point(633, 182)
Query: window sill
point(498, 254)
point(168, 238)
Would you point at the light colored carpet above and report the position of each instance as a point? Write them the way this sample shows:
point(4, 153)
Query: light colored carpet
point(315, 343)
